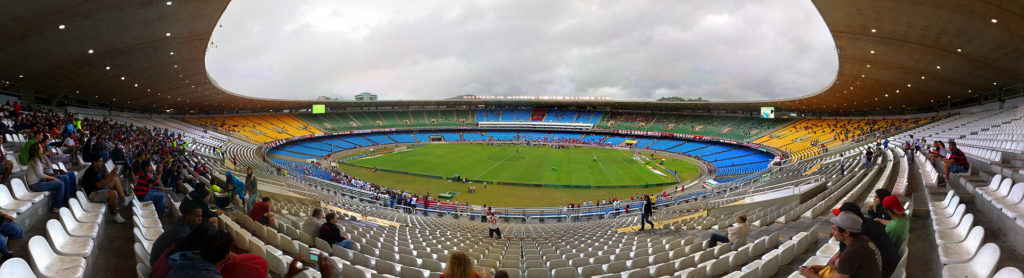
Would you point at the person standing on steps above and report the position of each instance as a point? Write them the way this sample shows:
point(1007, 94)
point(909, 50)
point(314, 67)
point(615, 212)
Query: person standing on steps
point(492, 222)
point(645, 216)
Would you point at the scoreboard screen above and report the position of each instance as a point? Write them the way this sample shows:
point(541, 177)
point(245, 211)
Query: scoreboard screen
point(319, 108)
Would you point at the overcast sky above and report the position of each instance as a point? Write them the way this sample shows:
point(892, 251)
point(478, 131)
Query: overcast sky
point(431, 49)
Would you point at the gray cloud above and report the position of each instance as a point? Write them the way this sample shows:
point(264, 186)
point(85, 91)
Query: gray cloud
point(630, 50)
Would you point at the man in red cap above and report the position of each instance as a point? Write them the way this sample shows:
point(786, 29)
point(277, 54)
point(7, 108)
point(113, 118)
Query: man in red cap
point(898, 225)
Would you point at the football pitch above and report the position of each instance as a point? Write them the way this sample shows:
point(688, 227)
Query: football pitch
point(530, 164)
point(523, 164)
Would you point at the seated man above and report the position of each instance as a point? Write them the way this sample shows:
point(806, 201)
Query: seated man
point(737, 232)
point(10, 232)
point(956, 163)
point(104, 187)
point(147, 188)
point(330, 232)
point(860, 259)
point(261, 213)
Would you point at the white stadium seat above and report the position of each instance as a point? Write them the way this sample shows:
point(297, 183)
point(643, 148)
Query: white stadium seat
point(50, 264)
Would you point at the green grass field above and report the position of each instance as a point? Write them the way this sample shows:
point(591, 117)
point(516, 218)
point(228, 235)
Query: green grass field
point(541, 165)
point(530, 163)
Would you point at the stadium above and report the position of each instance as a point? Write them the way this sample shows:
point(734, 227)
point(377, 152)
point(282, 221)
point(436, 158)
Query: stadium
point(126, 155)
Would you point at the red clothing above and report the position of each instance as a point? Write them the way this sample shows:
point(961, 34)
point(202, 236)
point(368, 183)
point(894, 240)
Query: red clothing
point(259, 211)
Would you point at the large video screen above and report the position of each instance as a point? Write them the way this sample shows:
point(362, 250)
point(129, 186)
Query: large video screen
point(319, 108)
point(768, 112)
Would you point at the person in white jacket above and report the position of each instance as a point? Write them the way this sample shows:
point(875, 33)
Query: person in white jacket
point(737, 232)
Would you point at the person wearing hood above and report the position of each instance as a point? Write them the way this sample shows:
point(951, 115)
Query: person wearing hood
point(203, 263)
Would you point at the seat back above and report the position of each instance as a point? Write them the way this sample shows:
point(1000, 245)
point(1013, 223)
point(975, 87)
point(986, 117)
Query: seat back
point(409, 272)
point(537, 273)
point(18, 188)
point(56, 231)
point(959, 213)
point(142, 270)
point(965, 224)
point(974, 239)
point(69, 221)
point(1016, 194)
point(998, 178)
point(5, 196)
point(984, 262)
point(386, 267)
point(949, 196)
point(141, 256)
point(741, 257)
point(76, 207)
point(41, 253)
point(718, 267)
point(770, 264)
point(1006, 272)
point(275, 264)
point(1003, 185)
point(590, 271)
point(16, 267)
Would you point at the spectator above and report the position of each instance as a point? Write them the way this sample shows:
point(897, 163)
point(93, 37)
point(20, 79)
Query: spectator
point(261, 213)
point(192, 217)
point(860, 259)
point(312, 224)
point(147, 188)
point(6, 165)
point(201, 198)
point(103, 187)
point(867, 158)
point(492, 221)
point(875, 209)
point(251, 190)
point(38, 180)
point(736, 232)
point(898, 224)
point(956, 163)
point(876, 232)
point(26, 150)
point(459, 266)
point(69, 179)
point(501, 274)
point(203, 263)
point(72, 146)
point(234, 186)
point(330, 232)
point(10, 233)
point(645, 216)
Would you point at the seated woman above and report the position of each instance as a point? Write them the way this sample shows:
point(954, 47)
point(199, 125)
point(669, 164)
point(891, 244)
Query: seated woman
point(39, 181)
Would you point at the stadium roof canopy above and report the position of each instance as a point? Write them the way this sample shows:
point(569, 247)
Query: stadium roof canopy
point(894, 56)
